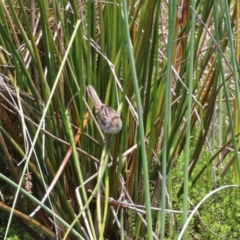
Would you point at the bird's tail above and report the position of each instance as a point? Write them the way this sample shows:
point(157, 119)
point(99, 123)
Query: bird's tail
point(93, 95)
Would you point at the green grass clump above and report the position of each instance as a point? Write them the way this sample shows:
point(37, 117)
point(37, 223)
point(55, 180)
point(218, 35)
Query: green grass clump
point(170, 70)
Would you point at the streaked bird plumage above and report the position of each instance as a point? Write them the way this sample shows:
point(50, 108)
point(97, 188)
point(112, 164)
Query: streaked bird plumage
point(108, 119)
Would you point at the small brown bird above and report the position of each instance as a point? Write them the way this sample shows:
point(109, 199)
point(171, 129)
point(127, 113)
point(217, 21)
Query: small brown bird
point(108, 119)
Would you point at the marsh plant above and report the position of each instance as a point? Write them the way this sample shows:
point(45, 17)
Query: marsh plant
point(170, 71)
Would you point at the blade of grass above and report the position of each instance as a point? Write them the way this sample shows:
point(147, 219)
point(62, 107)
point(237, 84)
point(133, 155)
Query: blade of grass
point(167, 112)
point(189, 117)
point(140, 119)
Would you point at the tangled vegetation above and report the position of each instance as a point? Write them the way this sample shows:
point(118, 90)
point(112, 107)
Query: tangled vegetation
point(170, 68)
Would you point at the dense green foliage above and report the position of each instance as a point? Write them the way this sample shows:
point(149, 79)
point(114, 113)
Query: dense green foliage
point(218, 217)
point(15, 232)
point(170, 68)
